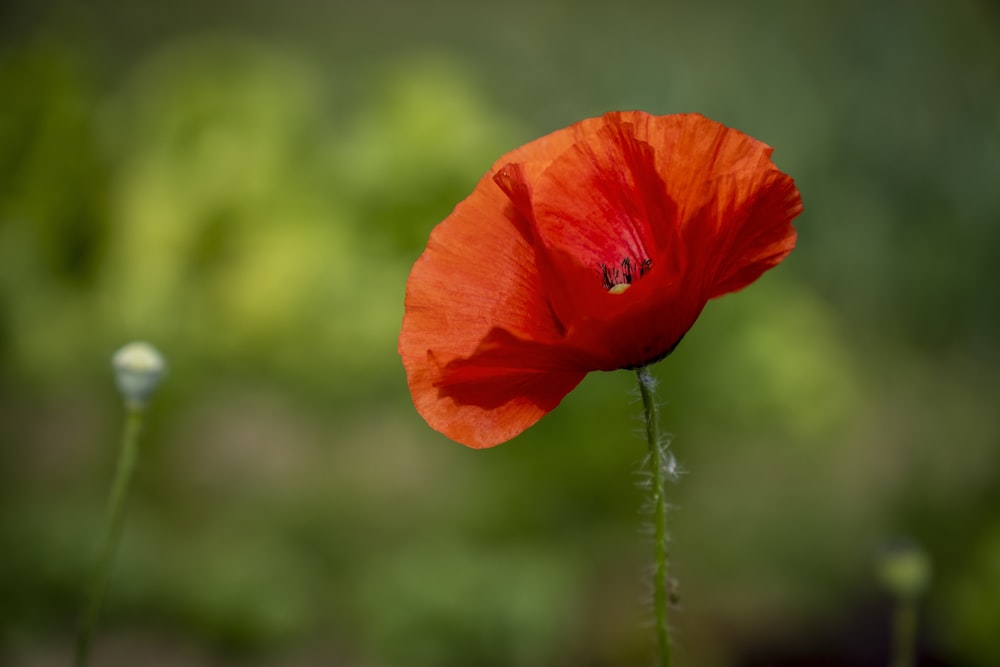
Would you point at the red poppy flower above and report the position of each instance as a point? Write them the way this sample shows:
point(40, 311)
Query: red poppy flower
point(592, 248)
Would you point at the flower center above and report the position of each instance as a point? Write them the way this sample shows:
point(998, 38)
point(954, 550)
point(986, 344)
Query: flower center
point(617, 279)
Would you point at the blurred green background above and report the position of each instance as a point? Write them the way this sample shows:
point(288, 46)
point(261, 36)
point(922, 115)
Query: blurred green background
point(246, 184)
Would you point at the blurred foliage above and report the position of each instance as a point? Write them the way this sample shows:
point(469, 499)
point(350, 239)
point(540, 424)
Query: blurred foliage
point(248, 187)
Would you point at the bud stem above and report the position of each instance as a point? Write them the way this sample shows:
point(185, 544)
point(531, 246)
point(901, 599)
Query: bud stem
point(904, 632)
point(112, 529)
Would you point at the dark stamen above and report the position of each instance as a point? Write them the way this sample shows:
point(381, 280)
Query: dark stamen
point(626, 275)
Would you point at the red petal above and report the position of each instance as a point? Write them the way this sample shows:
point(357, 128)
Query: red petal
point(733, 206)
point(692, 150)
point(752, 216)
point(502, 389)
point(600, 198)
point(478, 274)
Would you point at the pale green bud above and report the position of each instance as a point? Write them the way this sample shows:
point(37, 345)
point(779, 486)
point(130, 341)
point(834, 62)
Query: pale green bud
point(138, 367)
point(905, 571)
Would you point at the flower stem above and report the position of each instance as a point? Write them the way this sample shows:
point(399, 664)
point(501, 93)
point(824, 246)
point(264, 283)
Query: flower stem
point(904, 633)
point(905, 570)
point(647, 387)
point(112, 530)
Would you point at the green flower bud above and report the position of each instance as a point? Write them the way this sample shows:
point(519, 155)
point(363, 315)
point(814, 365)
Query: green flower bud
point(905, 571)
point(138, 367)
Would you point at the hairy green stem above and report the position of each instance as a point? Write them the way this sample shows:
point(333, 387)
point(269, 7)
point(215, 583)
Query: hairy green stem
point(647, 386)
point(112, 530)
